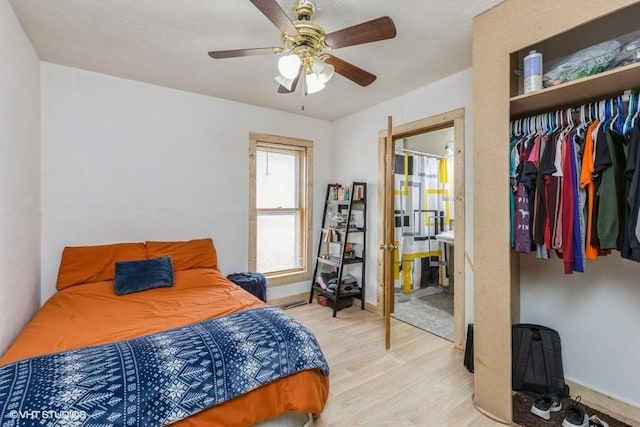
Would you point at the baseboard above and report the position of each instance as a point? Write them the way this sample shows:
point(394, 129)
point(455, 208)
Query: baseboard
point(304, 296)
point(372, 308)
point(617, 408)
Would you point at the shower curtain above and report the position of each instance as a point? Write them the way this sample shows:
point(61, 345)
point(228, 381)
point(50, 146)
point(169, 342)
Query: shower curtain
point(422, 209)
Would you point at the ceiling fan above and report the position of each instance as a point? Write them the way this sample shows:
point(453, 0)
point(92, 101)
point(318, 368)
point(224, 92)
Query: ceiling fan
point(305, 47)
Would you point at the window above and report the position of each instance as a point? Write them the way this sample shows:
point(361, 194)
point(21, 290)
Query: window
point(280, 207)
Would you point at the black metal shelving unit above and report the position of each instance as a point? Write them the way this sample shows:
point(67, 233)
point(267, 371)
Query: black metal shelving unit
point(341, 205)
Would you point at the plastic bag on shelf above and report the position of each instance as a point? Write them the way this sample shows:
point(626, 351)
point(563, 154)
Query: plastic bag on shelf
point(629, 54)
point(583, 63)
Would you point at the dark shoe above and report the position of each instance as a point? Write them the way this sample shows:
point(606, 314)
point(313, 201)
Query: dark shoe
point(545, 405)
point(576, 415)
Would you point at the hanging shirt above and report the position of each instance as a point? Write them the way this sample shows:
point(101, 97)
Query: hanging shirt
point(587, 182)
point(602, 160)
point(558, 175)
point(631, 246)
point(611, 192)
point(512, 188)
point(568, 202)
point(529, 178)
point(523, 215)
point(578, 230)
point(548, 188)
point(525, 174)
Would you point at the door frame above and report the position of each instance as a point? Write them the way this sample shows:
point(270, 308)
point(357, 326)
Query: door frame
point(455, 119)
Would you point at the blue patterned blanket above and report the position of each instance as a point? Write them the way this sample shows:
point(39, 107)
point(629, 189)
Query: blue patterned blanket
point(160, 378)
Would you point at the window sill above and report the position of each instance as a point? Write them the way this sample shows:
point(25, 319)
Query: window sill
point(287, 278)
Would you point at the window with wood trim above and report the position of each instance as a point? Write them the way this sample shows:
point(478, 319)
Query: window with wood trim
point(280, 207)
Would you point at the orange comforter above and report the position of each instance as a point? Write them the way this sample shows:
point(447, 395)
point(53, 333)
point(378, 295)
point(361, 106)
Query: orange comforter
point(92, 314)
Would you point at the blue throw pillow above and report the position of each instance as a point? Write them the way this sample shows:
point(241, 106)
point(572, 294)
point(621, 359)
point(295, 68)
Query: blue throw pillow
point(136, 276)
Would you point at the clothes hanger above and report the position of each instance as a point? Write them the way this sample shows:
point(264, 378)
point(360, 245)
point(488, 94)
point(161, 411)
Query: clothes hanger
point(637, 104)
point(540, 125)
point(583, 121)
point(620, 117)
point(627, 127)
point(606, 116)
point(569, 118)
point(613, 115)
point(547, 124)
point(552, 122)
point(544, 124)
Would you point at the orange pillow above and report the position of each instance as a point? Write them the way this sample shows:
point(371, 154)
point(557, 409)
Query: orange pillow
point(87, 264)
point(199, 253)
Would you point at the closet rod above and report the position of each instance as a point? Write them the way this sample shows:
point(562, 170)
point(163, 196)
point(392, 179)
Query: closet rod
point(625, 96)
point(405, 150)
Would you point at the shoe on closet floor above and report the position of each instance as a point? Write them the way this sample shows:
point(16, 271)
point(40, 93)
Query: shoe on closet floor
point(576, 415)
point(594, 421)
point(545, 405)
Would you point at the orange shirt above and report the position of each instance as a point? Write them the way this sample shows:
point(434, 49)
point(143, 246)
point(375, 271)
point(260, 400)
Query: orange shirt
point(586, 181)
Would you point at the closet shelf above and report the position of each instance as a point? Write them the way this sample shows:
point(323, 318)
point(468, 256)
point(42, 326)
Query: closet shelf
point(591, 88)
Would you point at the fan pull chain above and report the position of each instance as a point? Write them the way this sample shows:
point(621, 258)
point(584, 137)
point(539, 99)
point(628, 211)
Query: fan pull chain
point(304, 90)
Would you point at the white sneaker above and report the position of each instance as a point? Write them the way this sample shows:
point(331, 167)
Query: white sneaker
point(576, 415)
point(545, 405)
point(594, 421)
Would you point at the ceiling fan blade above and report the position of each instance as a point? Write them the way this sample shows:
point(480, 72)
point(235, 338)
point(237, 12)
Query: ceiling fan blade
point(370, 31)
point(282, 89)
point(221, 54)
point(350, 71)
point(272, 10)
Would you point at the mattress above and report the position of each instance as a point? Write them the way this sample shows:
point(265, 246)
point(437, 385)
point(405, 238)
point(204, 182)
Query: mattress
point(93, 314)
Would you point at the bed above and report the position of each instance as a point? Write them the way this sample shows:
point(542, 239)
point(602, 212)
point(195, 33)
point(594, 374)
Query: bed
point(86, 312)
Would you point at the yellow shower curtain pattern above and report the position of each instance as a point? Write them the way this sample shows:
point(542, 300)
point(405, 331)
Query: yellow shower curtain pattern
point(424, 190)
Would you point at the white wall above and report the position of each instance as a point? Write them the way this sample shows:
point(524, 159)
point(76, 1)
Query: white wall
point(19, 177)
point(596, 313)
point(434, 142)
point(129, 161)
point(356, 156)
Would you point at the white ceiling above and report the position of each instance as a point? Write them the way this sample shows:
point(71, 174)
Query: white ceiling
point(165, 42)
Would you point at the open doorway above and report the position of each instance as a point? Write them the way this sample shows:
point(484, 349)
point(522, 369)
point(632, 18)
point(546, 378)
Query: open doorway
point(424, 217)
point(447, 234)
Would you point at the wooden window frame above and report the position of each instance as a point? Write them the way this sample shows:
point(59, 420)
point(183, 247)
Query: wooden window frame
point(257, 140)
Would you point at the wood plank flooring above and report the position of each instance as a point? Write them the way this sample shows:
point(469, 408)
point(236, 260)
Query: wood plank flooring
point(419, 382)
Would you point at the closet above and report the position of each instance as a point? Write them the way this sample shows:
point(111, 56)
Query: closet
point(502, 37)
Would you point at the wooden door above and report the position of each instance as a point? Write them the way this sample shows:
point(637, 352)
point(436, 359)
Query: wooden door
point(386, 229)
point(388, 245)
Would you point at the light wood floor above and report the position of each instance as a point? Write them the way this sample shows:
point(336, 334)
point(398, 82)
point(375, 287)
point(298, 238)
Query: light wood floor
point(419, 382)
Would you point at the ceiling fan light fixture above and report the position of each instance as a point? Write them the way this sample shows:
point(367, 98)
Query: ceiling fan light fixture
point(323, 70)
point(285, 82)
point(313, 83)
point(288, 66)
